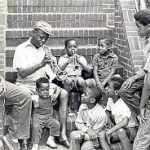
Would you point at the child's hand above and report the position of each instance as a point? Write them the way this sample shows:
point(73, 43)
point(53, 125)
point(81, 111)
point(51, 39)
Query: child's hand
point(91, 134)
point(80, 136)
point(54, 99)
point(78, 59)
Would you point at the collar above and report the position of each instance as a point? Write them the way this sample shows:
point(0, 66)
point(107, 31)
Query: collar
point(28, 43)
point(110, 54)
point(84, 107)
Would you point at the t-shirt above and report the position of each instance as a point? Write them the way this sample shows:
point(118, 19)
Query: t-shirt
point(26, 55)
point(119, 110)
point(42, 106)
point(105, 64)
point(71, 69)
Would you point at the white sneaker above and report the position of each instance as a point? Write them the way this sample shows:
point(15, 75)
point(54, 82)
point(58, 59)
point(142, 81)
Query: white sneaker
point(51, 142)
point(35, 147)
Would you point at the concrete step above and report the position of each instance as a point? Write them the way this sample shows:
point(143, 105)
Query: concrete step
point(63, 6)
point(54, 2)
point(88, 51)
point(85, 36)
point(57, 20)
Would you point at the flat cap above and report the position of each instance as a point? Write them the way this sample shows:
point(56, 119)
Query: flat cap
point(44, 26)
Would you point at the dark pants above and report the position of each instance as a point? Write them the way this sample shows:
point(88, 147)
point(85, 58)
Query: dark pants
point(129, 97)
point(41, 121)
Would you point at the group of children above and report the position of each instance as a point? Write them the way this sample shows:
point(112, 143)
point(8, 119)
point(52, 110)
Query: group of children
point(73, 64)
point(97, 125)
point(95, 122)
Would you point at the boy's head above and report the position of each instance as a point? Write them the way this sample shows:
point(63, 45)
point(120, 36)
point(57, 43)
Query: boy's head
point(91, 95)
point(114, 85)
point(71, 46)
point(142, 19)
point(42, 87)
point(104, 45)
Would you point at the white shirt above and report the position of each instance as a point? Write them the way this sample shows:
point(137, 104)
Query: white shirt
point(70, 67)
point(119, 110)
point(26, 55)
point(94, 118)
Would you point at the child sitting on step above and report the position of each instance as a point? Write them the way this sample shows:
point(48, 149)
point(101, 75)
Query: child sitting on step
point(125, 127)
point(91, 120)
point(73, 64)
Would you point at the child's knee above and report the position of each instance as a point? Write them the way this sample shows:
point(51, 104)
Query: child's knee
point(74, 135)
point(121, 133)
point(102, 135)
point(69, 81)
point(80, 81)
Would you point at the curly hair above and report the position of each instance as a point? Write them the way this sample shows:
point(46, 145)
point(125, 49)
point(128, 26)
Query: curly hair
point(143, 16)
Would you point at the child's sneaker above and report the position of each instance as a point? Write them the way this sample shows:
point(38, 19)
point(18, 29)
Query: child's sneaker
point(51, 142)
point(10, 143)
point(35, 147)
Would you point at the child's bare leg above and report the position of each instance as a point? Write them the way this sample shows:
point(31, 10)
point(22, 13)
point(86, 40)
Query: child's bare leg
point(76, 139)
point(103, 142)
point(124, 139)
point(68, 83)
point(80, 83)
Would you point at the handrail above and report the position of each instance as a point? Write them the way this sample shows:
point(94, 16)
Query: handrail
point(140, 4)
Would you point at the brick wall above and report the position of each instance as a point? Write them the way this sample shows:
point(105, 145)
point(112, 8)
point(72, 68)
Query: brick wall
point(2, 58)
point(84, 20)
point(126, 37)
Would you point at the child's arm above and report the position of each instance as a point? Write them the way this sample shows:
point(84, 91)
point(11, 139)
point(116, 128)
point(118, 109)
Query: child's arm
point(109, 76)
point(63, 62)
point(80, 124)
point(99, 84)
point(82, 61)
point(114, 66)
point(118, 126)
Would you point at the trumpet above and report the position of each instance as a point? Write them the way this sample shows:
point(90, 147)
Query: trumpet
point(74, 58)
point(60, 75)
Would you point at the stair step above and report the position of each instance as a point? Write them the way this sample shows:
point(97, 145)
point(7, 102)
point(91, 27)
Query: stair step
point(55, 2)
point(84, 36)
point(57, 20)
point(64, 6)
point(88, 51)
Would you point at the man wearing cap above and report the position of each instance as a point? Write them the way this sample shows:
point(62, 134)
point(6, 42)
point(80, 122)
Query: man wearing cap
point(31, 63)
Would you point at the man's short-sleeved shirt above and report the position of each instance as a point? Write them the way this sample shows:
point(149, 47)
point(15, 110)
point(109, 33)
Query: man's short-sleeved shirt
point(70, 69)
point(120, 110)
point(105, 64)
point(26, 55)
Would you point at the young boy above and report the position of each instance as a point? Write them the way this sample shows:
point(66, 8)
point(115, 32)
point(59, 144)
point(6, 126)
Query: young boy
point(90, 120)
point(43, 115)
point(73, 64)
point(105, 63)
point(142, 140)
point(125, 123)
